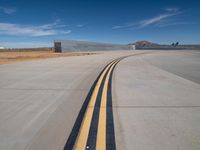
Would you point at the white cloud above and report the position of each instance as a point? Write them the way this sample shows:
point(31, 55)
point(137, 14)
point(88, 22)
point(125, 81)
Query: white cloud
point(156, 19)
point(169, 13)
point(7, 10)
point(172, 9)
point(31, 30)
point(129, 25)
point(80, 25)
point(66, 32)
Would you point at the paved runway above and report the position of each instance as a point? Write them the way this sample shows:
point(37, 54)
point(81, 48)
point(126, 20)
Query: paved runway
point(155, 99)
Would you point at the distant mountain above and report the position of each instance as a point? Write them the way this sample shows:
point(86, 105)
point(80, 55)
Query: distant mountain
point(143, 43)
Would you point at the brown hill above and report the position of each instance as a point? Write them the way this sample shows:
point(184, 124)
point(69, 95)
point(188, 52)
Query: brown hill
point(143, 43)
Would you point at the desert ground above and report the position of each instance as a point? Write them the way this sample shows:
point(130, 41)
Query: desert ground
point(12, 57)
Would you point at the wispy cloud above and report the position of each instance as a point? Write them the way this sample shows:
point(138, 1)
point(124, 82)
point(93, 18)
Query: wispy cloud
point(120, 27)
point(80, 25)
point(157, 19)
point(33, 30)
point(165, 16)
point(7, 10)
point(172, 9)
point(128, 25)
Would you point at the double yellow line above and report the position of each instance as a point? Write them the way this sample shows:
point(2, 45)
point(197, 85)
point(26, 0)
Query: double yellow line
point(81, 140)
point(94, 125)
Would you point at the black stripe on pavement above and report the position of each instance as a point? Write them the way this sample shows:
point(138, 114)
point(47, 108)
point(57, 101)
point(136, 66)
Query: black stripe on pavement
point(110, 132)
point(92, 137)
point(75, 130)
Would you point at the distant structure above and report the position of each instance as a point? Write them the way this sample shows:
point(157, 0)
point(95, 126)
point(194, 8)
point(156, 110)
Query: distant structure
point(81, 46)
point(146, 45)
point(175, 44)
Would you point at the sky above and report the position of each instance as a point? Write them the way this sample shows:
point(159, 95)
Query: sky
point(37, 23)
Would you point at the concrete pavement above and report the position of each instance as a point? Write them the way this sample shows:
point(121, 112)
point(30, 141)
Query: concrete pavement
point(155, 100)
point(40, 100)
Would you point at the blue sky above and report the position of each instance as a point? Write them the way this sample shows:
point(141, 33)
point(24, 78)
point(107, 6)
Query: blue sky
point(28, 23)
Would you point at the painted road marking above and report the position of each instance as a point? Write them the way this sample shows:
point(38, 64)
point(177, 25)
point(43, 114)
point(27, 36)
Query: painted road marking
point(94, 125)
point(101, 133)
point(84, 131)
point(90, 130)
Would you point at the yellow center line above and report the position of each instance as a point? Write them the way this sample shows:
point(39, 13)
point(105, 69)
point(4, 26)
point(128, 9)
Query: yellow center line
point(81, 140)
point(101, 133)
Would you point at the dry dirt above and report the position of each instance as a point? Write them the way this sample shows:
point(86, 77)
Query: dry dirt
point(12, 57)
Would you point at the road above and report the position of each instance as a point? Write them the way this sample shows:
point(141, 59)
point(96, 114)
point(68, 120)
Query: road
point(152, 98)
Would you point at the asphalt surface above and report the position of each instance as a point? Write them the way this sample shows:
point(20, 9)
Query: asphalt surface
point(155, 100)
